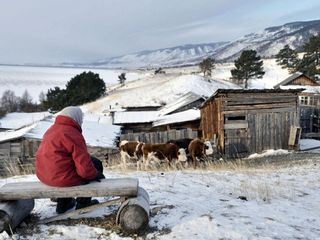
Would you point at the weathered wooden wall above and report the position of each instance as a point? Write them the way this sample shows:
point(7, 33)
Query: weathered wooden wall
point(135, 127)
point(304, 81)
point(160, 137)
point(19, 148)
point(194, 125)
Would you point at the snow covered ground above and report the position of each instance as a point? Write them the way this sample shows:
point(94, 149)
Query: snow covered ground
point(37, 79)
point(275, 203)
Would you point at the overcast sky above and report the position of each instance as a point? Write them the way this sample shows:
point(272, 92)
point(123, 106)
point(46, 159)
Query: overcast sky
point(54, 31)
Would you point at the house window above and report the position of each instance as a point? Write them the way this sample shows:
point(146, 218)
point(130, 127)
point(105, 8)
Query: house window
point(236, 118)
point(305, 100)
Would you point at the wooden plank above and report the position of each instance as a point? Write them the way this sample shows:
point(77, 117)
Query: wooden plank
point(258, 106)
point(270, 101)
point(274, 110)
point(244, 98)
point(15, 144)
point(15, 149)
point(107, 187)
point(235, 125)
point(81, 211)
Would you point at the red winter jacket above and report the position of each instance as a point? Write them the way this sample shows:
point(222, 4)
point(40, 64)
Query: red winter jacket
point(62, 159)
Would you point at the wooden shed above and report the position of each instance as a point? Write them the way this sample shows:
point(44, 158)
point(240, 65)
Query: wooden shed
point(242, 122)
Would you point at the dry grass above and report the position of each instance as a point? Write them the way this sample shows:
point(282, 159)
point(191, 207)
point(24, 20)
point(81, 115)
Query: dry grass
point(15, 167)
point(207, 164)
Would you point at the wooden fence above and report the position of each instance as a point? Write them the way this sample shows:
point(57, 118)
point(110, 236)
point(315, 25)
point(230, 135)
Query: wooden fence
point(160, 137)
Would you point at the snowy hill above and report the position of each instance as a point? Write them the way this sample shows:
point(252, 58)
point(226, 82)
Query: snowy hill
point(156, 90)
point(267, 43)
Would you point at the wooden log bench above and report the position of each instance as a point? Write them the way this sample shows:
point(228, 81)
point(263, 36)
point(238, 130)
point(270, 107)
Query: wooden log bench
point(17, 201)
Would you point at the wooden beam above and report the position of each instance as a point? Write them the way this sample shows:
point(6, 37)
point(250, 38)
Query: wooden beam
point(107, 187)
point(258, 106)
point(235, 125)
point(78, 212)
point(270, 110)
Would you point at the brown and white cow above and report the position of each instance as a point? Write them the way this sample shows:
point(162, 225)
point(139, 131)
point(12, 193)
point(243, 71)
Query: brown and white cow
point(167, 152)
point(198, 149)
point(130, 150)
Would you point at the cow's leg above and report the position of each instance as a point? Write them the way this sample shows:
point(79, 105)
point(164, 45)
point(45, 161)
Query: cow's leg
point(123, 158)
point(194, 160)
point(139, 164)
point(145, 160)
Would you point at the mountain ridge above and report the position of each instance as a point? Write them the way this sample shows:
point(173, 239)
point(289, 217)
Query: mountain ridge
point(266, 42)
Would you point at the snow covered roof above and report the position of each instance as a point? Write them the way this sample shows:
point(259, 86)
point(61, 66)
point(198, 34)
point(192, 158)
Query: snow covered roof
point(185, 116)
point(19, 120)
point(135, 117)
point(11, 134)
point(182, 101)
point(293, 77)
point(306, 89)
point(96, 134)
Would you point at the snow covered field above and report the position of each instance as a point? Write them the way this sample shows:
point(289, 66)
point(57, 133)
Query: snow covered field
point(276, 202)
point(37, 79)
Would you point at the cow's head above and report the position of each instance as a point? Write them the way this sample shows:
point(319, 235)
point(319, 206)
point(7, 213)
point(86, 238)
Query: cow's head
point(182, 156)
point(208, 148)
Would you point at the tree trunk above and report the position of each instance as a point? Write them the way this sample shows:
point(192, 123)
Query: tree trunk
point(133, 215)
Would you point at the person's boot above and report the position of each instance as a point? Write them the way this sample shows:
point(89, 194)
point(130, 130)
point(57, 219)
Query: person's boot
point(85, 202)
point(64, 204)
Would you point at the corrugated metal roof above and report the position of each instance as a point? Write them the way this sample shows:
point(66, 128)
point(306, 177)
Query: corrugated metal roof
point(185, 116)
point(134, 117)
point(184, 100)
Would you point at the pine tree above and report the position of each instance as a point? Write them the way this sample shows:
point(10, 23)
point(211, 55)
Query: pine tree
point(206, 66)
point(247, 66)
point(287, 58)
point(85, 87)
point(82, 88)
point(56, 99)
point(310, 63)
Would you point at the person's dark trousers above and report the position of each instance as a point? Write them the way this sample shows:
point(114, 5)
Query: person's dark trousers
point(86, 201)
point(64, 204)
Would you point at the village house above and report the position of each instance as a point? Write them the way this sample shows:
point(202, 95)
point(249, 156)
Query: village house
point(309, 100)
point(242, 122)
point(310, 96)
point(137, 119)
